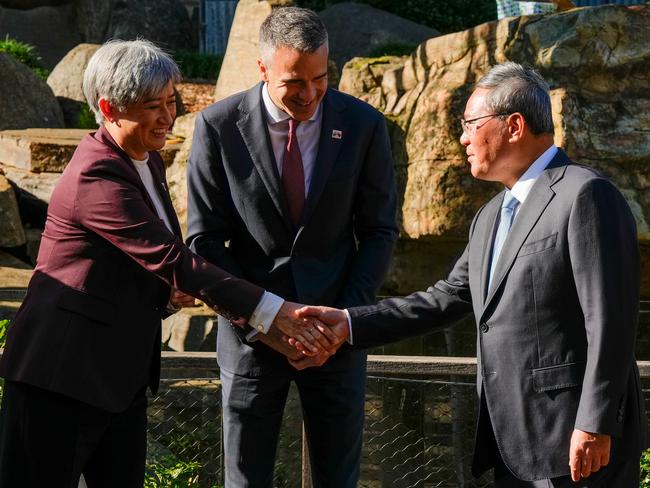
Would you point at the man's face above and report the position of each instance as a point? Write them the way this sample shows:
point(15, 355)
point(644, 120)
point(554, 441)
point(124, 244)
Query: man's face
point(485, 139)
point(296, 81)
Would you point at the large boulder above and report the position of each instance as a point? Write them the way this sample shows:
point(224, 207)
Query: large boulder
point(11, 228)
point(66, 81)
point(239, 68)
point(51, 29)
point(595, 60)
point(25, 99)
point(165, 22)
point(356, 29)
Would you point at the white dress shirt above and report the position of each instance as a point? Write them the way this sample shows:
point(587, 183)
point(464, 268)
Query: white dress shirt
point(520, 190)
point(147, 179)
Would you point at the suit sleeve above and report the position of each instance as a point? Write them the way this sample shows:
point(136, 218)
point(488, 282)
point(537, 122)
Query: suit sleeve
point(605, 263)
point(394, 319)
point(209, 206)
point(374, 216)
point(110, 205)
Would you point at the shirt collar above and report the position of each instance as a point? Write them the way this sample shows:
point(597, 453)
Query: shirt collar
point(276, 115)
point(522, 188)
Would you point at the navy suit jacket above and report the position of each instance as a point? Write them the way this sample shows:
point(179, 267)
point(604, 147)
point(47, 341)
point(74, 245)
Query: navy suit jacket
point(340, 252)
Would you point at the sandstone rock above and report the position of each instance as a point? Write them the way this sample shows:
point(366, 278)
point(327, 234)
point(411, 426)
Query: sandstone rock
point(14, 277)
point(66, 81)
point(595, 60)
point(239, 68)
point(177, 172)
point(356, 29)
point(188, 329)
point(39, 150)
point(25, 99)
point(50, 29)
point(11, 228)
point(165, 22)
point(38, 185)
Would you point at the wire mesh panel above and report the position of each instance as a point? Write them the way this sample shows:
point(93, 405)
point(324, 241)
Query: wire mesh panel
point(418, 433)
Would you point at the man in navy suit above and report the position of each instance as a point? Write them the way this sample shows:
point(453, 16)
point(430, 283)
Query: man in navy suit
point(298, 179)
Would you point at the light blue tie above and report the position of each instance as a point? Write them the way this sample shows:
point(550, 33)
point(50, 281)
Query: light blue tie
point(505, 222)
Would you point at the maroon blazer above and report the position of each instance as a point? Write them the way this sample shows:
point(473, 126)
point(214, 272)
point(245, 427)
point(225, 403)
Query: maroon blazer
point(89, 327)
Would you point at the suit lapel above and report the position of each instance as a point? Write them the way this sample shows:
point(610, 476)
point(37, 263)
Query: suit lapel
point(163, 191)
point(105, 138)
point(254, 132)
point(489, 224)
point(532, 209)
point(328, 149)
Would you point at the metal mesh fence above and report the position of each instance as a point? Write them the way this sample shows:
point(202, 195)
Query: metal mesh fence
point(418, 433)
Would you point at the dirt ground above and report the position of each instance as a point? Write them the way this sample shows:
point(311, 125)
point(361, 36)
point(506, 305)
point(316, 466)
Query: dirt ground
point(196, 95)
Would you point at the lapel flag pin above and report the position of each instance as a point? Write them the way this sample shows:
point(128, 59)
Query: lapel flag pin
point(337, 134)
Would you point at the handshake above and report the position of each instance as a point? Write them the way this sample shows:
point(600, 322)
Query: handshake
point(307, 335)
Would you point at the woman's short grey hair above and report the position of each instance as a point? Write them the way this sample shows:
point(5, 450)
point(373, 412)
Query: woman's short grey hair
point(516, 88)
point(294, 27)
point(126, 72)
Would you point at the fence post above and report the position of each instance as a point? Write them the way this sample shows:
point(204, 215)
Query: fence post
point(306, 466)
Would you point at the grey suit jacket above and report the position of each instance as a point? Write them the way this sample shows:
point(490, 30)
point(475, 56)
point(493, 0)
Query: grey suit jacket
point(556, 331)
point(341, 250)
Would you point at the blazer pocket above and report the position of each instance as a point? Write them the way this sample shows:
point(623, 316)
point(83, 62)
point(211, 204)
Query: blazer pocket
point(539, 245)
point(557, 377)
point(88, 306)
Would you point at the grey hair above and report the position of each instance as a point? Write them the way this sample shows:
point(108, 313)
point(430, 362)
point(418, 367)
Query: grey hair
point(126, 72)
point(517, 88)
point(297, 28)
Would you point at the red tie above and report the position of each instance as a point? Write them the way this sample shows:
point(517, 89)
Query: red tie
point(293, 174)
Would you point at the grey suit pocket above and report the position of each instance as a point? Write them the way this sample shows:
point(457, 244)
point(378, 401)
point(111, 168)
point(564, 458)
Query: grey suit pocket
point(539, 245)
point(557, 377)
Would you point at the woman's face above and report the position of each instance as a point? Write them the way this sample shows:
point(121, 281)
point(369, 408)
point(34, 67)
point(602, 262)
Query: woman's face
point(144, 125)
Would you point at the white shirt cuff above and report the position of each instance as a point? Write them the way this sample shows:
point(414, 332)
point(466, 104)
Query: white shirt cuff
point(347, 314)
point(264, 314)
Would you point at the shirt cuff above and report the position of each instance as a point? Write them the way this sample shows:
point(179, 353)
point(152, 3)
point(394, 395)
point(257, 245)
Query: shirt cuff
point(347, 314)
point(264, 314)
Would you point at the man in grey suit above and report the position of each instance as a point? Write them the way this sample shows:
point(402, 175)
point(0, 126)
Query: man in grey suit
point(551, 272)
point(298, 179)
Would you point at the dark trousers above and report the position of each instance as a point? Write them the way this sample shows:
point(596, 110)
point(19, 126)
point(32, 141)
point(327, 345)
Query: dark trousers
point(49, 440)
point(622, 474)
point(333, 412)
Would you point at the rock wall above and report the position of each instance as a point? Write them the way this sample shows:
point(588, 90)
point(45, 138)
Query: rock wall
point(596, 62)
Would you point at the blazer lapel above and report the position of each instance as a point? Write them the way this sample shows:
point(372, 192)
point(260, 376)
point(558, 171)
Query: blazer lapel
point(163, 192)
point(104, 137)
point(490, 224)
point(254, 132)
point(328, 149)
point(532, 209)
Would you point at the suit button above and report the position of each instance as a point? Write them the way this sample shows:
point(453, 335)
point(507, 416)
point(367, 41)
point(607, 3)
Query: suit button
point(619, 419)
point(484, 327)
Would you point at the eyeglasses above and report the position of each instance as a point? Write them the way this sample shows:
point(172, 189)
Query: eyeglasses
point(470, 127)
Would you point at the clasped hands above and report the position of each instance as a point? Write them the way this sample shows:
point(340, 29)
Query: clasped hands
point(317, 332)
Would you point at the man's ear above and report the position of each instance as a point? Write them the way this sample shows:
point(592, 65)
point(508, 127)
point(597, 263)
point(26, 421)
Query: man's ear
point(516, 126)
point(109, 112)
point(264, 72)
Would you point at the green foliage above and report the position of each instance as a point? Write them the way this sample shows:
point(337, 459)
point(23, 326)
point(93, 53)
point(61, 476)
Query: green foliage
point(645, 469)
point(392, 49)
point(4, 325)
point(172, 473)
point(195, 65)
point(443, 16)
point(86, 118)
point(26, 54)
